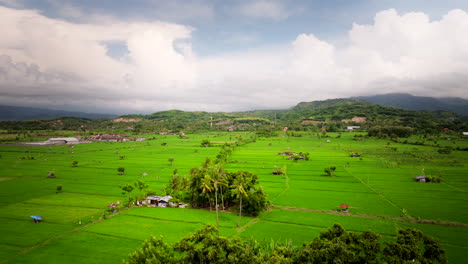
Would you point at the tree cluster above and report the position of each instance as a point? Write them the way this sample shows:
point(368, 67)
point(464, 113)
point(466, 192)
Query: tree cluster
point(211, 186)
point(335, 245)
point(390, 131)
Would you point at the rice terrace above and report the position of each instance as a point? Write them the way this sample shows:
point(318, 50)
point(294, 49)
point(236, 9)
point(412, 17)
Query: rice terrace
point(89, 216)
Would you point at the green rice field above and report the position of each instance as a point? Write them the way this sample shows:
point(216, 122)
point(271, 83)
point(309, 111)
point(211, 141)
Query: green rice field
point(379, 187)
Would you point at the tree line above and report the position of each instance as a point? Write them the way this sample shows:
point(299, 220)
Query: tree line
point(336, 245)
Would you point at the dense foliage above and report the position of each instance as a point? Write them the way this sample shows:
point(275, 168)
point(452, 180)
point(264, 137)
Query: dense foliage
point(390, 131)
point(212, 186)
point(335, 245)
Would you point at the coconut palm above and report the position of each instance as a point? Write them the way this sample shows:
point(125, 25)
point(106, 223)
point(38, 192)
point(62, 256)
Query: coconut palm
point(239, 191)
point(219, 175)
point(206, 187)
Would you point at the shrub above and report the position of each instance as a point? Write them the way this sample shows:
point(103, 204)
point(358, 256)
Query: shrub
point(59, 188)
point(74, 163)
point(330, 170)
point(445, 150)
point(206, 143)
point(121, 170)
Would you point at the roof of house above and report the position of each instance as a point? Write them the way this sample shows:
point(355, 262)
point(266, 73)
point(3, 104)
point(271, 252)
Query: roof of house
point(343, 205)
point(64, 139)
point(420, 177)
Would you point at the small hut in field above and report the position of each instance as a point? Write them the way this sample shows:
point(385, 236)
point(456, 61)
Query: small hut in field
point(277, 172)
point(344, 208)
point(421, 178)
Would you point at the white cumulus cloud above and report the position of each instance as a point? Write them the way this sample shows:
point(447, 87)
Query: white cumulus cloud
point(51, 62)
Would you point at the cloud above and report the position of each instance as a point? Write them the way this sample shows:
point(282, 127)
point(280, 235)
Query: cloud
point(263, 9)
point(51, 62)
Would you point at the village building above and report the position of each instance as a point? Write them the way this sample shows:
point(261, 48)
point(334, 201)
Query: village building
point(465, 133)
point(109, 137)
point(158, 201)
point(63, 140)
point(352, 128)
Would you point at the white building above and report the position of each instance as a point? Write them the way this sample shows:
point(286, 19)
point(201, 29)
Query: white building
point(351, 128)
point(63, 140)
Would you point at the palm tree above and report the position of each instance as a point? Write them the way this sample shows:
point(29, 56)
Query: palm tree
point(218, 179)
point(239, 191)
point(215, 186)
point(206, 187)
point(219, 175)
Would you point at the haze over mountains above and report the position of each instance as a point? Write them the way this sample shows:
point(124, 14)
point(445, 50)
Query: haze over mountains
point(397, 100)
point(17, 113)
point(411, 102)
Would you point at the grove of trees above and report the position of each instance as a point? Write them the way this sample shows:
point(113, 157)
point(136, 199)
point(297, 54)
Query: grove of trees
point(336, 245)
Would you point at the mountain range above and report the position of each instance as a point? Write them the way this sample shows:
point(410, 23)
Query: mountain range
point(411, 102)
point(18, 113)
point(397, 100)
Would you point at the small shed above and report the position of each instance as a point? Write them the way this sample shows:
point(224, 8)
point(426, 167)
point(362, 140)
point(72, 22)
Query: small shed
point(152, 200)
point(158, 201)
point(277, 172)
point(36, 218)
point(344, 207)
point(421, 178)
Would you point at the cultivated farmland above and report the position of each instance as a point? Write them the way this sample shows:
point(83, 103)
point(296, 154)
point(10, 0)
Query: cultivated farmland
point(379, 188)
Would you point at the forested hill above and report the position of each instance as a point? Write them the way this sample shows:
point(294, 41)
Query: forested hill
point(342, 109)
point(411, 102)
point(335, 112)
point(30, 113)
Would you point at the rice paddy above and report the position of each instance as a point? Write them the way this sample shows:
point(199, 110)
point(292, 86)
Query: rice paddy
point(379, 187)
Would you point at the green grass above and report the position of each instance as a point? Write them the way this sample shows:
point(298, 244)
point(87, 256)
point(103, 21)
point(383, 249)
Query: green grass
point(377, 187)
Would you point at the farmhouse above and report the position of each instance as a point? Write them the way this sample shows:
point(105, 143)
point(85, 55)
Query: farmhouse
point(465, 133)
point(351, 128)
point(158, 201)
point(63, 140)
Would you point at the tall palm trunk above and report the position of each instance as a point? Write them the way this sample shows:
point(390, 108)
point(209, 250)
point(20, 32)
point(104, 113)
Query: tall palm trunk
point(222, 198)
point(216, 204)
point(240, 212)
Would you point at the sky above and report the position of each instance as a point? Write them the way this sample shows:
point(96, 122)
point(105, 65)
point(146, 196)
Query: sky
point(143, 56)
